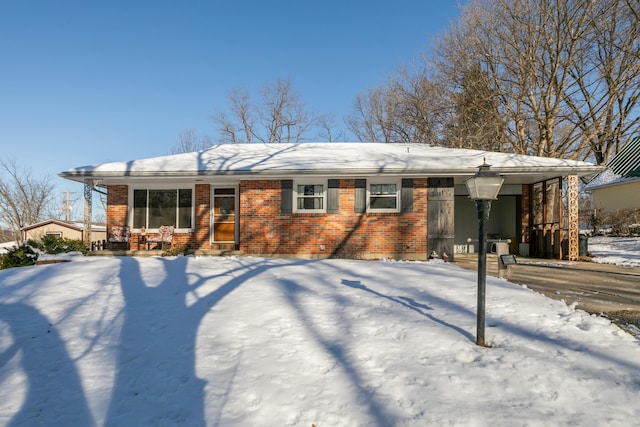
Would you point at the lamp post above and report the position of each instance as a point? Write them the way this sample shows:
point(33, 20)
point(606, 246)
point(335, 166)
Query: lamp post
point(483, 187)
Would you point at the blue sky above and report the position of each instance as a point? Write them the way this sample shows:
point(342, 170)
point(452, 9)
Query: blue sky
point(86, 82)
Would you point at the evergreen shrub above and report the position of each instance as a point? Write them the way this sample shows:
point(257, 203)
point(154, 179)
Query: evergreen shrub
point(52, 244)
point(20, 256)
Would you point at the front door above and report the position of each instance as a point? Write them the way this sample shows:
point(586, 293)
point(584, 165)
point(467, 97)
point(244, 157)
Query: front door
point(224, 215)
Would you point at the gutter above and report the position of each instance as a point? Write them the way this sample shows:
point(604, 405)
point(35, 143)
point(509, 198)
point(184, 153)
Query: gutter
point(531, 170)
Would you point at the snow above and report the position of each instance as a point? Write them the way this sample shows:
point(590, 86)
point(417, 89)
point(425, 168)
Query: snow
point(615, 250)
point(125, 341)
point(6, 246)
point(607, 178)
point(332, 157)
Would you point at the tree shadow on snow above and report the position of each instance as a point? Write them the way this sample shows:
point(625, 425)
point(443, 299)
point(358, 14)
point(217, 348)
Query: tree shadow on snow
point(411, 304)
point(55, 394)
point(365, 396)
point(155, 380)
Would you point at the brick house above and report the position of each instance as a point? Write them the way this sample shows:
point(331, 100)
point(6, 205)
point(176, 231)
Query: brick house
point(353, 200)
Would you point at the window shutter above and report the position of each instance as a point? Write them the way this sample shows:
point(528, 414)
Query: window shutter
point(286, 195)
point(333, 196)
point(406, 196)
point(360, 196)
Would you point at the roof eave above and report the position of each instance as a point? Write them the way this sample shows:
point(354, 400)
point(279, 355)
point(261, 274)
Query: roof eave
point(51, 221)
point(81, 176)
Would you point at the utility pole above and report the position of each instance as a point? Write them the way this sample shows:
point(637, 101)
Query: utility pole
point(66, 207)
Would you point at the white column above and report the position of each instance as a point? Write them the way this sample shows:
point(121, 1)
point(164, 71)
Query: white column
point(88, 197)
point(572, 209)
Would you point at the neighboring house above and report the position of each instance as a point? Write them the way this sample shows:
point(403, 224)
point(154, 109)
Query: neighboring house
point(618, 186)
point(353, 200)
point(68, 230)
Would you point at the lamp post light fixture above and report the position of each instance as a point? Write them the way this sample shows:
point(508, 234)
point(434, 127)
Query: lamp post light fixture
point(483, 187)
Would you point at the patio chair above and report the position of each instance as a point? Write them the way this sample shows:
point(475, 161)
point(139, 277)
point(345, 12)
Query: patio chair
point(120, 236)
point(165, 237)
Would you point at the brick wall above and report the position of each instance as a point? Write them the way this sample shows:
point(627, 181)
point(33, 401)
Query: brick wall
point(200, 237)
point(117, 210)
point(265, 231)
point(117, 214)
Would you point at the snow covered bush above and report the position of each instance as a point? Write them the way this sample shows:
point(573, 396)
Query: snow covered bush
point(18, 256)
point(53, 244)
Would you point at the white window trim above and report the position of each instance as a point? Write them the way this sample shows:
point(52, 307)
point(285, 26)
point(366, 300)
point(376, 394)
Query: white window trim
point(322, 182)
point(165, 186)
point(397, 182)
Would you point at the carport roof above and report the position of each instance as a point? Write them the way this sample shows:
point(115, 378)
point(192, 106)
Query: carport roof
point(259, 161)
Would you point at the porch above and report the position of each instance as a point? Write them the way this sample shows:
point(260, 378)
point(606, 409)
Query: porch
point(159, 252)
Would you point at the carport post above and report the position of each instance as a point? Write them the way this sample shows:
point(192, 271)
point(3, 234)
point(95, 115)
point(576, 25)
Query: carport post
point(88, 194)
point(574, 225)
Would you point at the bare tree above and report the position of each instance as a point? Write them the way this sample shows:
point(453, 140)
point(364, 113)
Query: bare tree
point(417, 104)
point(23, 197)
point(564, 72)
point(280, 117)
point(328, 132)
point(241, 121)
point(372, 118)
point(405, 109)
point(605, 82)
point(506, 40)
point(632, 9)
point(283, 116)
point(188, 140)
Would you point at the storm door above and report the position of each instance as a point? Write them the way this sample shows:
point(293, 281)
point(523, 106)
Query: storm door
point(223, 216)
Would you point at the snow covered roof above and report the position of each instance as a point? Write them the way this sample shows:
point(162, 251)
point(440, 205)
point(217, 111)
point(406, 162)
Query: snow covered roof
point(79, 226)
point(623, 167)
point(608, 178)
point(331, 159)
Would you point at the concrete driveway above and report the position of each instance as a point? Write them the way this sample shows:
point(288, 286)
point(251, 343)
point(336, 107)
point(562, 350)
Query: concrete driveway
point(610, 290)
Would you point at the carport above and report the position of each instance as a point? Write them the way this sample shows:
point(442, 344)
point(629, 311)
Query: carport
point(538, 217)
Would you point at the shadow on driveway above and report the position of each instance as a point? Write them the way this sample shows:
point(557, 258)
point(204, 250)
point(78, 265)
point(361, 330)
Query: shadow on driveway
point(603, 289)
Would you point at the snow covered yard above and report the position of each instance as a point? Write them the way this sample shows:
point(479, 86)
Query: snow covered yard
point(615, 250)
point(275, 342)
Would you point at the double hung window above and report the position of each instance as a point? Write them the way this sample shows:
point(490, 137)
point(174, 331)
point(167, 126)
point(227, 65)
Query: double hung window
point(153, 208)
point(376, 195)
point(309, 197)
point(383, 196)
